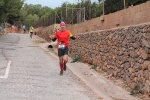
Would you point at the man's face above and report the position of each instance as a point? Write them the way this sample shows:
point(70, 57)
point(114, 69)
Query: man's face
point(63, 28)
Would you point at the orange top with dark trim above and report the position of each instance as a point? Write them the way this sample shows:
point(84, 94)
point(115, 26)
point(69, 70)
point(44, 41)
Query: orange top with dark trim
point(63, 37)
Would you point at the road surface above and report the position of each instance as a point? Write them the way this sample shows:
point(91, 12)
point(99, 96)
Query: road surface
point(29, 73)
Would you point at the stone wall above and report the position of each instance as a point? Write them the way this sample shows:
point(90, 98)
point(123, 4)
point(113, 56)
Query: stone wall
point(129, 16)
point(124, 53)
point(45, 32)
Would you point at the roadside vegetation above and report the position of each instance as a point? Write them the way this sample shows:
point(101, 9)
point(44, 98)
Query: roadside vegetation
point(16, 11)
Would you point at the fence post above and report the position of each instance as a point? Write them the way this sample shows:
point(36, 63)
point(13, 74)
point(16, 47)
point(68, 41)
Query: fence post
point(66, 12)
point(103, 8)
point(55, 18)
point(124, 4)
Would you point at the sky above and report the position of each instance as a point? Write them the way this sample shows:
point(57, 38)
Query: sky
point(49, 3)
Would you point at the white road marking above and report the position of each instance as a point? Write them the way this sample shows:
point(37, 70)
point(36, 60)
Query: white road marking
point(7, 70)
point(2, 77)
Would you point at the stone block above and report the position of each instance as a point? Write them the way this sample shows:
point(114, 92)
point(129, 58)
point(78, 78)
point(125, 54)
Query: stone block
point(146, 88)
point(143, 54)
point(146, 65)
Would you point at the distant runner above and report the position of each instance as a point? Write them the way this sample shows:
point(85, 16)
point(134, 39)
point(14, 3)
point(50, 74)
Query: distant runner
point(0, 29)
point(31, 31)
point(24, 28)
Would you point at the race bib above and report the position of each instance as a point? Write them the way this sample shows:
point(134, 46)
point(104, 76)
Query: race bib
point(61, 46)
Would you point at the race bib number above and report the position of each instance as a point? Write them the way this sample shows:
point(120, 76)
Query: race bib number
point(61, 46)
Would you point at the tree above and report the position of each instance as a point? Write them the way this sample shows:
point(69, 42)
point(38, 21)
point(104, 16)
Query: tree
point(96, 9)
point(2, 14)
point(134, 2)
point(57, 10)
point(100, 0)
point(29, 11)
point(115, 5)
point(37, 9)
point(10, 10)
point(31, 19)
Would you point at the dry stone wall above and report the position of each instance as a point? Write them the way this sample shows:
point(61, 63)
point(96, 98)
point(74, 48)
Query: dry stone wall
point(123, 53)
point(45, 32)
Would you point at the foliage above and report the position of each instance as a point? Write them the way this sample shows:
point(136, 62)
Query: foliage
point(93, 67)
point(32, 13)
point(96, 10)
point(134, 2)
point(10, 10)
point(76, 59)
point(135, 90)
point(115, 5)
point(57, 10)
point(30, 20)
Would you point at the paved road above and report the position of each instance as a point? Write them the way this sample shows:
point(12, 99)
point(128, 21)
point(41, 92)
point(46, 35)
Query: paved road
point(29, 73)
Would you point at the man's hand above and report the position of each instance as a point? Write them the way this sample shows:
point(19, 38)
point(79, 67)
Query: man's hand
point(51, 36)
point(76, 36)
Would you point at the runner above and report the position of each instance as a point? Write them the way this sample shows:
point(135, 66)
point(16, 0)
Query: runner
point(63, 36)
point(0, 29)
point(24, 28)
point(31, 31)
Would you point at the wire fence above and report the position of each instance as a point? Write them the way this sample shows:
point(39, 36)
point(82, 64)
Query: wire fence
point(50, 20)
point(80, 13)
point(4, 28)
point(69, 16)
point(8, 28)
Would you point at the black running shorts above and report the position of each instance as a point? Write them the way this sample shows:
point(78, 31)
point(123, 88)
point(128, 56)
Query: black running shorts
point(62, 52)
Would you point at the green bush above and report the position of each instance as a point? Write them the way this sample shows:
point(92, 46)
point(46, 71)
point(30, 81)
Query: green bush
point(93, 67)
point(76, 59)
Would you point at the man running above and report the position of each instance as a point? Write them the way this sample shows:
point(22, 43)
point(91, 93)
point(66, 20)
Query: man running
point(63, 36)
point(0, 29)
point(31, 31)
point(24, 28)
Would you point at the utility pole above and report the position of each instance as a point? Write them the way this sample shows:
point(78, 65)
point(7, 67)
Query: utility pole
point(61, 12)
point(103, 8)
point(66, 12)
point(55, 18)
point(72, 15)
point(89, 9)
point(124, 4)
point(79, 14)
point(84, 13)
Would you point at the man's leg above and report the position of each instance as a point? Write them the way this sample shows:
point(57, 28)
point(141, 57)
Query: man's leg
point(60, 54)
point(61, 63)
point(65, 58)
point(30, 35)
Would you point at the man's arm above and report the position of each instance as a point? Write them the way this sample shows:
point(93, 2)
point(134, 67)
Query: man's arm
point(72, 37)
point(54, 39)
